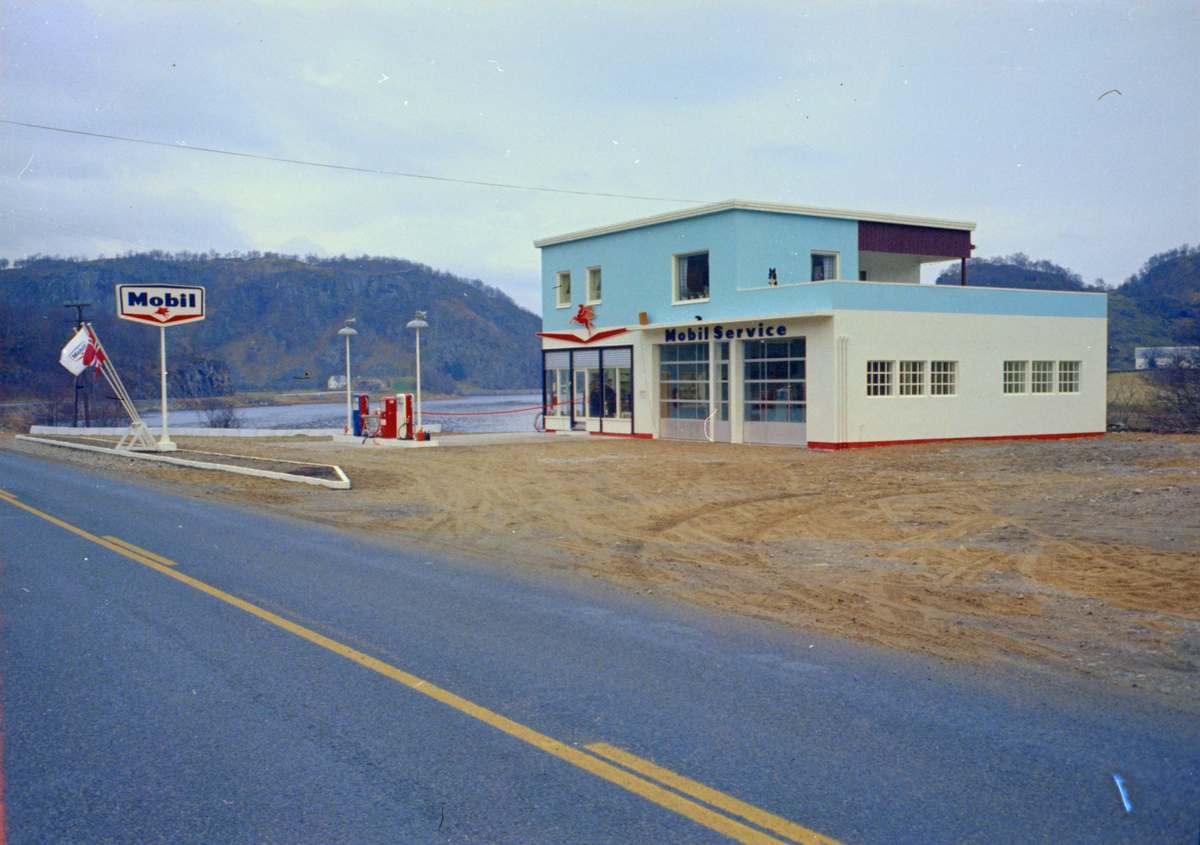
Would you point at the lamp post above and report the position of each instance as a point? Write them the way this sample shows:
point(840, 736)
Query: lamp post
point(348, 333)
point(418, 323)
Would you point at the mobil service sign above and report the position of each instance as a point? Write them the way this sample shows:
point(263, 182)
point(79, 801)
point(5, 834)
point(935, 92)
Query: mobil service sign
point(160, 305)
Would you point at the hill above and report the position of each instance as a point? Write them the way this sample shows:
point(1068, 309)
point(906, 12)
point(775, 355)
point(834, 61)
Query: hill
point(1157, 306)
point(272, 324)
point(1014, 271)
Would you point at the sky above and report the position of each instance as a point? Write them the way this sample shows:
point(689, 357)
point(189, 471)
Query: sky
point(1067, 131)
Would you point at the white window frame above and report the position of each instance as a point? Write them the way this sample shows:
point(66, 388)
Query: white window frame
point(1041, 377)
point(883, 383)
point(943, 378)
point(593, 297)
point(1012, 387)
point(1074, 385)
point(907, 385)
point(675, 259)
point(559, 300)
point(837, 264)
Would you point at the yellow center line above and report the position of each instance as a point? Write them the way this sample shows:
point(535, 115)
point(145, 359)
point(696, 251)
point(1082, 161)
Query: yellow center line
point(613, 774)
point(711, 796)
point(140, 552)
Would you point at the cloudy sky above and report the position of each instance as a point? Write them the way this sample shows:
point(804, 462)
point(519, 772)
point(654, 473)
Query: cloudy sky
point(992, 112)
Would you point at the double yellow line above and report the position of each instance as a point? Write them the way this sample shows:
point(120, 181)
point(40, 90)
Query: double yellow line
point(700, 803)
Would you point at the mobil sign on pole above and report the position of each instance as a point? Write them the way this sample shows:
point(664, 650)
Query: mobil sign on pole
point(160, 305)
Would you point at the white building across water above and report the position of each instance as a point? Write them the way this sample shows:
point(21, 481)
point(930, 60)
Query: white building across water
point(760, 323)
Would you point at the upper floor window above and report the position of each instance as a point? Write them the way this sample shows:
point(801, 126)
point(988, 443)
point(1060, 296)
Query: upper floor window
point(593, 285)
point(824, 266)
point(562, 291)
point(691, 277)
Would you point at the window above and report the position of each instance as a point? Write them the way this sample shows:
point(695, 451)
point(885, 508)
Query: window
point(775, 380)
point(691, 277)
point(1068, 376)
point(563, 290)
point(603, 383)
point(558, 383)
point(879, 378)
point(943, 376)
point(683, 381)
point(593, 285)
point(1014, 376)
point(824, 266)
point(1042, 380)
point(723, 378)
point(912, 378)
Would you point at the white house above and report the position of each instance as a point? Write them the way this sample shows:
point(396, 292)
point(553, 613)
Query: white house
point(761, 323)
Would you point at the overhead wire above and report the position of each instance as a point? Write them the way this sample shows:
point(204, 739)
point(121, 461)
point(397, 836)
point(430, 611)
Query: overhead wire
point(183, 146)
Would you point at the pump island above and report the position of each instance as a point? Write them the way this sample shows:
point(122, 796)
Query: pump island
point(750, 322)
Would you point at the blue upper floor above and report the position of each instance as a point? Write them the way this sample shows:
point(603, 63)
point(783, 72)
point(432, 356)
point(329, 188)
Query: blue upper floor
point(716, 263)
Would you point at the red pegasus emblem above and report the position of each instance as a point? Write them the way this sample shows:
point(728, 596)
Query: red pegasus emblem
point(163, 312)
point(584, 316)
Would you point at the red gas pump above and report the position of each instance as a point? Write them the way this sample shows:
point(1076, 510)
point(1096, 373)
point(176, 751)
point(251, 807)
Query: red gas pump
point(387, 418)
point(404, 416)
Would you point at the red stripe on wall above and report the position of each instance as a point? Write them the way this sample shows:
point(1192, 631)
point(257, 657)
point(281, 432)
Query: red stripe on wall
point(635, 435)
point(871, 444)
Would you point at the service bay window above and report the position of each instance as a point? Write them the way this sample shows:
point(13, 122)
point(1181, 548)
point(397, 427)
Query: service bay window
point(775, 380)
point(1014, 376)
point(691, 277)
point(943, 378)
point(558, 384)
point(593, 286)
point(562, 290)
point(879, 378)
point(824, 266)
point(912, 378)
point(683, 381)
point(1068, 376)
point(1042, 377)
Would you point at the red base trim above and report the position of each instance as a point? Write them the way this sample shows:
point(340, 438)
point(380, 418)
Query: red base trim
point(871, 444)
point(635, 435)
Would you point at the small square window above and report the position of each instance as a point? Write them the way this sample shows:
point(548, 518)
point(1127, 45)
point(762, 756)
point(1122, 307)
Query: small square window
point(593, 285)
point(879, 378)
point(824, 266)
point(943, 378)
point(691, 277)
point(912, 378)
point(1042, 377)
point(1068, 376)
point(562, 290)
point(1014, 376)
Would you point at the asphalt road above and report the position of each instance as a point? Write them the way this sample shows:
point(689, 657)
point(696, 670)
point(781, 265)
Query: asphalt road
point(256, 679)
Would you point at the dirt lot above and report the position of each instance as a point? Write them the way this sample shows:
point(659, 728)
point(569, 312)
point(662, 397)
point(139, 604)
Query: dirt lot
point(1070, 556)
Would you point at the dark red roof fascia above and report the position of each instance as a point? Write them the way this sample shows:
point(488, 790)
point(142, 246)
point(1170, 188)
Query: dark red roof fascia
point(913, 240)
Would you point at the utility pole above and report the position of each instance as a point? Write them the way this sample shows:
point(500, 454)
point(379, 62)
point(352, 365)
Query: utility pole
point(80, 381)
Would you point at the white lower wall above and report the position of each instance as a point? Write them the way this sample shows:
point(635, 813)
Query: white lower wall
point(979, 344)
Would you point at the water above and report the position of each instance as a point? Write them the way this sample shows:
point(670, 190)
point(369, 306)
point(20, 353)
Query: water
point(333, 416)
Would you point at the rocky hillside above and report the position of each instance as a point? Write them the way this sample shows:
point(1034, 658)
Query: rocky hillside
point(272, 324)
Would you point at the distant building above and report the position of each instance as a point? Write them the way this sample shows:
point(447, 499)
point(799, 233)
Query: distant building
point(1153, 357)
point(762, 323)
point(336, 383)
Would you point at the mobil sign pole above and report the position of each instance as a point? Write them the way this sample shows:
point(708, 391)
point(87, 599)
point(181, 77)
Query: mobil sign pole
point(162, 306)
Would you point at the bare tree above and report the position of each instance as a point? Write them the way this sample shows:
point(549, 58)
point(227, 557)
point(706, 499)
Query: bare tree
point(1177, 388)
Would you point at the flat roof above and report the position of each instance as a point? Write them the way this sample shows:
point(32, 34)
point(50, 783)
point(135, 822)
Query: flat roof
point(777, 208)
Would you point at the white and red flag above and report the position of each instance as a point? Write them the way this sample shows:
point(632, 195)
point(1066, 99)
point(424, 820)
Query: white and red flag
point(82, 351)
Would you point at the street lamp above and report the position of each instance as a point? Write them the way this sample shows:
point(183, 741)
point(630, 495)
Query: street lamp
point(348, 333)
point(418, 323)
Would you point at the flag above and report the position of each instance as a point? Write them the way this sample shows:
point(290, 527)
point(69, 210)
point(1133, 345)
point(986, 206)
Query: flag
point(93, 355)
point(74, 352)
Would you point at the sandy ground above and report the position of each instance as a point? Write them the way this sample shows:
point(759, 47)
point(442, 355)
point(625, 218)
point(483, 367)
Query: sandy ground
point(1071, 556)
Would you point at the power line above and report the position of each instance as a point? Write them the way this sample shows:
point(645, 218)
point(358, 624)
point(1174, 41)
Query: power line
point(182, 146)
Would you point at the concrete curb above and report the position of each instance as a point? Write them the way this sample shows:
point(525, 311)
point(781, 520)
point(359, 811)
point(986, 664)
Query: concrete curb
point(343, 484)
point(64, 430)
